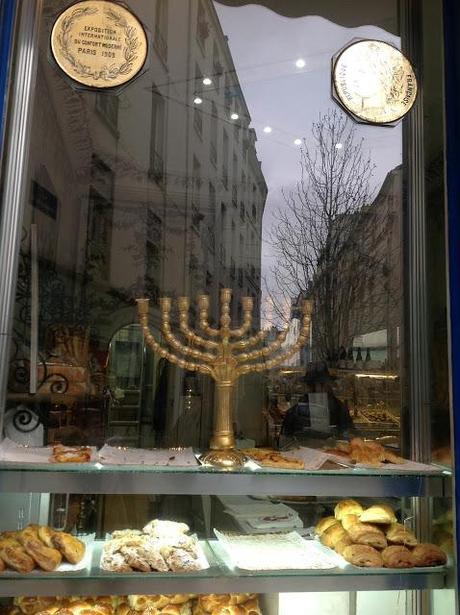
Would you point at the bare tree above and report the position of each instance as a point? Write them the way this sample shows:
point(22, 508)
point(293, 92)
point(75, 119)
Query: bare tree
point(325, 235)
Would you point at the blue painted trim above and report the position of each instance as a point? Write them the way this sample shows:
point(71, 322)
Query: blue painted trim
point(7, 13)
point(452, 75)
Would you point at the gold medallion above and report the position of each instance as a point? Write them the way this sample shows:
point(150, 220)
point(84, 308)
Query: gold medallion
point(99, 43)
point(374, 81)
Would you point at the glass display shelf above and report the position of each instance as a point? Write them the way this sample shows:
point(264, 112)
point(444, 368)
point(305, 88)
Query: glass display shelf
point(219, 578)
point(203, 480)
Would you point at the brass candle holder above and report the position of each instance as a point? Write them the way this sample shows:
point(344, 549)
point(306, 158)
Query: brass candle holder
point(224, 357)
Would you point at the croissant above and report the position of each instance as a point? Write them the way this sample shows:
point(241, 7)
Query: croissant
point(48, 559)
point(332, 536)
point(180, 598)
point(324, 524)
point(15, 556)
point(363, 555)
point(71, 548)
point(366, 534)
point(347, 507)
point(379, 513)
point(427, 554)
point(398, 534)
point(397, 556)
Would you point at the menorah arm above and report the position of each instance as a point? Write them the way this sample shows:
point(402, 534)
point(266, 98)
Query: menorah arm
point(203, 311)
point(265, 351)
point(143, 307)
point(250, 341)
point(172, 340)
point(247, 322)
point(193, 337)
point(278, 360)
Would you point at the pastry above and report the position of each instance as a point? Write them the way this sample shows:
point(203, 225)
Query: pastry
point(347, 507)
point(161, 528)
point(349, 520)
point(241, 598)
point(273, 459)
point(379, 513)
point(114, 562)
point(15, 556)
point(333, 535)
point(324, 524)
point(177, 609)
point(366, 534)
point(140, 603)
point(251, 607)
point(45, 534)
point(426, 554)
point(397, 556)
point(71, 548)
point(363, 555)
point(180, 560)
point(30, 605)
point(210, 602)
point(180, 598)
point(2, 565)
point(400, 535)
point(70, 454)
point(230, 609)
point(47, 558)
point(342, 543)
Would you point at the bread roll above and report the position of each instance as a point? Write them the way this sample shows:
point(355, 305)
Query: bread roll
point(398, 534)
point(379, 513)
point(363, 555)
point(347, 507)
point(71, 548)
point(349, 520)
point(366, 534)
point(210, 602)
point(45, 534)
point(324, 524)
point(332, 535)
point(180, 598)
point(397, 556)
point(426, 554)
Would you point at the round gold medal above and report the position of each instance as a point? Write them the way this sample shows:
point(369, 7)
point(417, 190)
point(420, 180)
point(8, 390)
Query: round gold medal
point(374, 81)
point(99, 43)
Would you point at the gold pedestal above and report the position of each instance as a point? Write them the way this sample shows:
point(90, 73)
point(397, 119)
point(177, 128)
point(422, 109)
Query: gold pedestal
point(225, 458)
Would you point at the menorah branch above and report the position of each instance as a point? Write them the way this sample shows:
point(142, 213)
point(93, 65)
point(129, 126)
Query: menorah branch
point(265, 351)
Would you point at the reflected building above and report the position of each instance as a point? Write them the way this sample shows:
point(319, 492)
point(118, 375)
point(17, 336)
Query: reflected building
point(155, 189)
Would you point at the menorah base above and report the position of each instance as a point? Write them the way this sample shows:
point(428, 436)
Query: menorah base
point(224, 458)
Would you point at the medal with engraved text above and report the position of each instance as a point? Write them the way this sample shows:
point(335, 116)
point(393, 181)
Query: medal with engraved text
point(99, 43)
point(374, 81)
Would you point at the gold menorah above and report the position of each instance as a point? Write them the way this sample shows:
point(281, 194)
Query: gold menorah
point(222, 359)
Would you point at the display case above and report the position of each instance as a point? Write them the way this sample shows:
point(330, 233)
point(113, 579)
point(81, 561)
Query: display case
point(225, 370)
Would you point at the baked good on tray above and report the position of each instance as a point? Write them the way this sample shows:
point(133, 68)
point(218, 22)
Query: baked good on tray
point(367, 534)
point(162, 546)
point(363, 555)
point(426, 554)
point(397, 556)
point(70, 454)
point(398, 534)
point(270, 458)
point(367, 452)
point(347, 507)
point(379, 513)
point(323, 524)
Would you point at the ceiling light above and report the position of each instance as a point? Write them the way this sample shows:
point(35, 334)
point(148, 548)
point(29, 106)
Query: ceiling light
point(207, 81)
point(268, 129)
point(297, 141)
point(234, 116)
point(338, 145)
point(197, 100)
point(300, 63)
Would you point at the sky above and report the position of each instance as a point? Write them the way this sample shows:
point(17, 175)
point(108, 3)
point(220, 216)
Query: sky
point(265, 47)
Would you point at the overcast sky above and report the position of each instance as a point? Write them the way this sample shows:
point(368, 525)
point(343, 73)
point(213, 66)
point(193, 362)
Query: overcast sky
point(265, 47)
